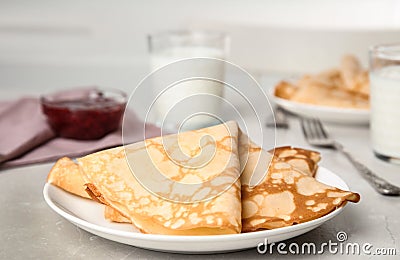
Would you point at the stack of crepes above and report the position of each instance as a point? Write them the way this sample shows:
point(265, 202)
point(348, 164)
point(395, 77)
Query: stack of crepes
point(343, 87)
point(204, 182)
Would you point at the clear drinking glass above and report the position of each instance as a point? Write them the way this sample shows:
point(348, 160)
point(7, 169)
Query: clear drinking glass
point(385, 101)
point(168, 47)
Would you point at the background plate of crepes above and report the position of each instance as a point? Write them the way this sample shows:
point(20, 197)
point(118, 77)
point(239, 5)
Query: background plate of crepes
point(339, 95)
point(100, 194)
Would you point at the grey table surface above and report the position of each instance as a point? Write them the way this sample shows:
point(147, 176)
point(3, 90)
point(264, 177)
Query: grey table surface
point(30, 229)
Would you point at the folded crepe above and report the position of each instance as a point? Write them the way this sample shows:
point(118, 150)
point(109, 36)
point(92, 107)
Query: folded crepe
point(301, 159)
point(193, 188)
point(275, 196)
point(354, 77)
point(285, 196)
point(67, 175)
point(343, 87)
point(309, 91)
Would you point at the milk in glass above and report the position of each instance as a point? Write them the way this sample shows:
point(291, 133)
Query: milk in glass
point(196, 101)
point(385, 111)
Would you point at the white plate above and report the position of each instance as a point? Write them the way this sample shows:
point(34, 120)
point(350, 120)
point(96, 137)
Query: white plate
point(327, 114)
point(88, 215)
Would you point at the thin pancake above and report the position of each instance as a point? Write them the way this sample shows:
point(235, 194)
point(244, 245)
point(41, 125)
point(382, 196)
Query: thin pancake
point(66, 175)
point(285, 196)
point(310, 91)
point(111, 181)
point(301, 159)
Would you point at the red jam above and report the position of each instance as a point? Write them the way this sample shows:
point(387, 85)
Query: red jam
point(89, 117)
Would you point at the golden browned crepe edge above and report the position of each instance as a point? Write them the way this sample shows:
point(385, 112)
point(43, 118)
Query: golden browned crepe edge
point(113, 215)
point(273, 223)
point(292, 155)
point(261, 222)
point(66, 175)
point(110, 213)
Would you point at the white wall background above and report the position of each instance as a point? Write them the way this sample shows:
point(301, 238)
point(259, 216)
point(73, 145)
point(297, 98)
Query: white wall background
point(99, 36)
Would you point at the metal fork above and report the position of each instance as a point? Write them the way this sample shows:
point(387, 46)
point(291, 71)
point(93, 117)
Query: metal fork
point(316, 135)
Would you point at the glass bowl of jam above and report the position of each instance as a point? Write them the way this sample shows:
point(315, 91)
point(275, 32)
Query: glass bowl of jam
point(84, 114)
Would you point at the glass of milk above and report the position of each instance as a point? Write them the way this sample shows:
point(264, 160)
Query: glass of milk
point(193, 103)
point(385, 101)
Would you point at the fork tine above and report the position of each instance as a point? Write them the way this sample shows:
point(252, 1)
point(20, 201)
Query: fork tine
point(304, 127)
point(321, 128)
point(309, 129)
point(315, 128)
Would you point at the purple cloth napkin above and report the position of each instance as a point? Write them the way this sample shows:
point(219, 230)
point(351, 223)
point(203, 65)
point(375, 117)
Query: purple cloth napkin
point(26, 138)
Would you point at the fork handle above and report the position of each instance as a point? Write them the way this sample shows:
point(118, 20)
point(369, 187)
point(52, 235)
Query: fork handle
point(377, 182)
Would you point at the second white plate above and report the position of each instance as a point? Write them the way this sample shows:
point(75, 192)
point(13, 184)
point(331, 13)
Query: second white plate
point(327, 114)
point(89, 215)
